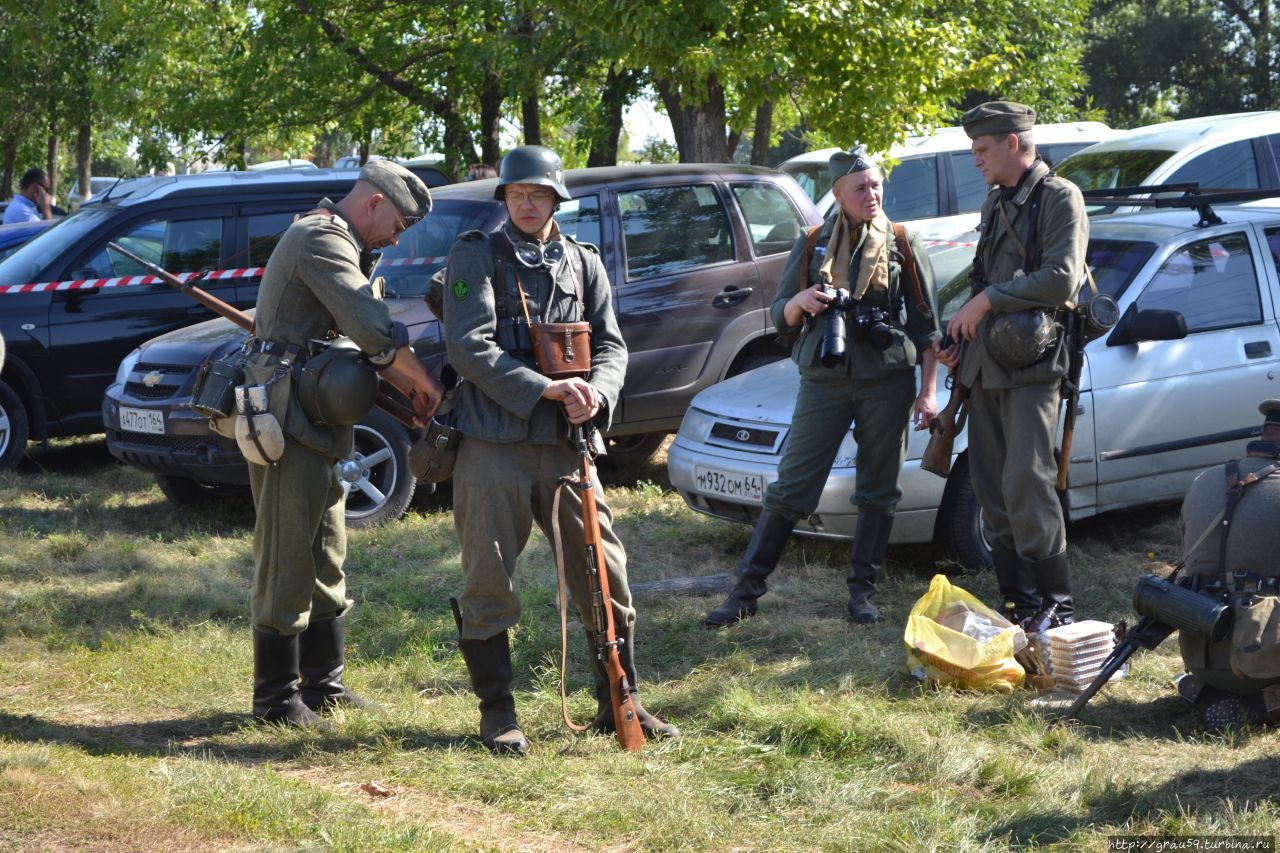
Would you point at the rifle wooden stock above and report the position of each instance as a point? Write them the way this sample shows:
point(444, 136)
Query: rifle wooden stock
point(1072, 399)
point(605, 636)
point(389, 404)
point(943, 430)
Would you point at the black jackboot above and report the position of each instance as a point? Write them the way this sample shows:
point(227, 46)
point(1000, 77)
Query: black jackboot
point(1017, 585)
point(770, 538)
point(321, 661)
point(1053, 579)
point(489, 662)
point(870, 542)
point(604, 723)
point(276, 698)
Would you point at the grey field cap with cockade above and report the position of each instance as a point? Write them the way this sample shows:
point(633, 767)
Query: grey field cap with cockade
point(998, 117)
point(405, 189)
point(842, 163)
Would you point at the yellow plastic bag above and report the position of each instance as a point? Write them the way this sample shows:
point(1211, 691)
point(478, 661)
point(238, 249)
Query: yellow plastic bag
point(939, 654)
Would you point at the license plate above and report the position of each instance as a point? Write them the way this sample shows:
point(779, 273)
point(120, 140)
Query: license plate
point(729, 484)
point(141, 420)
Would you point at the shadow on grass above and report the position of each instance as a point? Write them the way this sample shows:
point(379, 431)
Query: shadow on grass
point(204, 736)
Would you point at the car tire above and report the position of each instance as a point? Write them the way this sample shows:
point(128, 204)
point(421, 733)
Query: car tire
point(625, 451)
point(192, 494)
point(377, 478)
point(14, 428)
point(959, 525)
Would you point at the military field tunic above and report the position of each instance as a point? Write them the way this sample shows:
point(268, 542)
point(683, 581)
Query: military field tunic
point(516, 445)
point(1013, 414)
point(871, 389)
point(316, 280)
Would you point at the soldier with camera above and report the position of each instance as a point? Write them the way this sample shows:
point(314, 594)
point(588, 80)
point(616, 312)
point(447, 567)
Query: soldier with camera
point(859, 295)
point(500, 290)
point(1029, 265)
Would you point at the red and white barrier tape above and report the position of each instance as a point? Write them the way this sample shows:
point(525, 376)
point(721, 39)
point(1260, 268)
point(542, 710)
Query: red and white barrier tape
point(140, 280)
point(949, 243)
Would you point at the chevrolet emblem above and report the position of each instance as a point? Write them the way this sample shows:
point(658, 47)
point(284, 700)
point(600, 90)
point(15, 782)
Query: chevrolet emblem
point(152, 379)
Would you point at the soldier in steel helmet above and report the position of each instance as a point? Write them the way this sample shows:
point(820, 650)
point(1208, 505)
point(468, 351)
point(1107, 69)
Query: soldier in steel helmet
point(889, 327)
point(515, 423)
point(317, 283)
point(1030, 260)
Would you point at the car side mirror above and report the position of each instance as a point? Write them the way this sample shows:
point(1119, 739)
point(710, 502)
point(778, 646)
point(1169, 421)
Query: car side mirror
point(84, 273)
point(1149, 324)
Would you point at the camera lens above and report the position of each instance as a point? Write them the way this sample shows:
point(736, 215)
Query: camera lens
point(832, 352)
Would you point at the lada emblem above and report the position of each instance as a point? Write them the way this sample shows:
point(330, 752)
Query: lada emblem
point(743, 435)
point(152, 379)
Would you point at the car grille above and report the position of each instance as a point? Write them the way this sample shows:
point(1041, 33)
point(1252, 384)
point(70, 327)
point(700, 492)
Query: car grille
point(171, 380)
point(743, 436)
point(177, 443)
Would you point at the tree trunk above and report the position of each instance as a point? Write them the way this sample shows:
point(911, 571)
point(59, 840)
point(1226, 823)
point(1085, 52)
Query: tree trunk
point(459, 147)
point(10, 161)
point(699, 130)
point(618, 89)
point(760, 137)
point(84, 160)
point(490, 118)
point(365, 145)
point(531, 119)
point(51, 157)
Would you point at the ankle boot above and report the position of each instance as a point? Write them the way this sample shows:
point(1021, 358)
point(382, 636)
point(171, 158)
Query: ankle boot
point(489, 662)
point(1017, 586)
point(275, 680)
point(321, 661)
point(1053, 579)
point(870, 542)
point(768, 541)
point(604, 723)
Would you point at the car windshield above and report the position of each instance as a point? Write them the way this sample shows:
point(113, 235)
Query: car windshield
point(814, 178)
point(1114, 264)
point(1104, 170)
point(26, 265)
point(407, 267)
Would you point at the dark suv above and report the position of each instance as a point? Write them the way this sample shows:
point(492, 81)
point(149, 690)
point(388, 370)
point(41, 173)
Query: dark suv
point(67, 332)
point(694, 253)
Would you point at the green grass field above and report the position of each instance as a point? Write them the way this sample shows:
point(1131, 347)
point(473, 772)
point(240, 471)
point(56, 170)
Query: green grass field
point(125, 671)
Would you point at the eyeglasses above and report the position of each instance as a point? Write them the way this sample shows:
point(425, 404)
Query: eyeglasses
point(539, 197)
point(534, 255)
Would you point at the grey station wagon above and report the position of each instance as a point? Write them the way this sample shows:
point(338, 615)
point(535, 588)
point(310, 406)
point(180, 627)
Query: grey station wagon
point(694, 253)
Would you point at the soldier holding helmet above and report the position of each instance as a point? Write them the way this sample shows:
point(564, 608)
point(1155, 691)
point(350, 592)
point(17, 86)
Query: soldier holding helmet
point(1029, 264)
point(316, 282)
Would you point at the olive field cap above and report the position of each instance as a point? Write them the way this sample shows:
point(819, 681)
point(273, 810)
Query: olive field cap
point(532, 164)
point(842, 163)
point(1270, 408)
point(998, 117)
point(405, 189)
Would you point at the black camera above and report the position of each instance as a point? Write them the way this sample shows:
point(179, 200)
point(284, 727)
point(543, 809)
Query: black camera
point(870, 326)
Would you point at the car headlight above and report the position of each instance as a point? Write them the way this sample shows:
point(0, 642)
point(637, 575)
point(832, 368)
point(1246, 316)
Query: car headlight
point(696, 425)
point(126, 366)
point(847, 453)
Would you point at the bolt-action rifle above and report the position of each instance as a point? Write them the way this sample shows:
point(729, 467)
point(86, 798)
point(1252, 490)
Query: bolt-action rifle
point(1071, 394)
point(389, 404)
point(946, 425)
point(604, 636)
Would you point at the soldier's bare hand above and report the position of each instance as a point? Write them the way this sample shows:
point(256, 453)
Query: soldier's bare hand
point(426, 398)
point(580, 399)
point(925, 409)
point(811, 300)
point(949, 356)
point(965, 323)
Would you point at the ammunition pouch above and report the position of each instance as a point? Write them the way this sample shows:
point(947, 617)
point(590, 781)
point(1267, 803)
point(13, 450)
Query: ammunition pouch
point(562, 350)
point(433, 455)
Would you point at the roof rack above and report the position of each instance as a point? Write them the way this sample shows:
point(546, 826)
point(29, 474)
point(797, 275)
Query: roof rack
point(1193, 196)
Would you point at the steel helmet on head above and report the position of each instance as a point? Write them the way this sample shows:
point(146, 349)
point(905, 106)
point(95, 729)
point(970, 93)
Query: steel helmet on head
point(532, 164)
